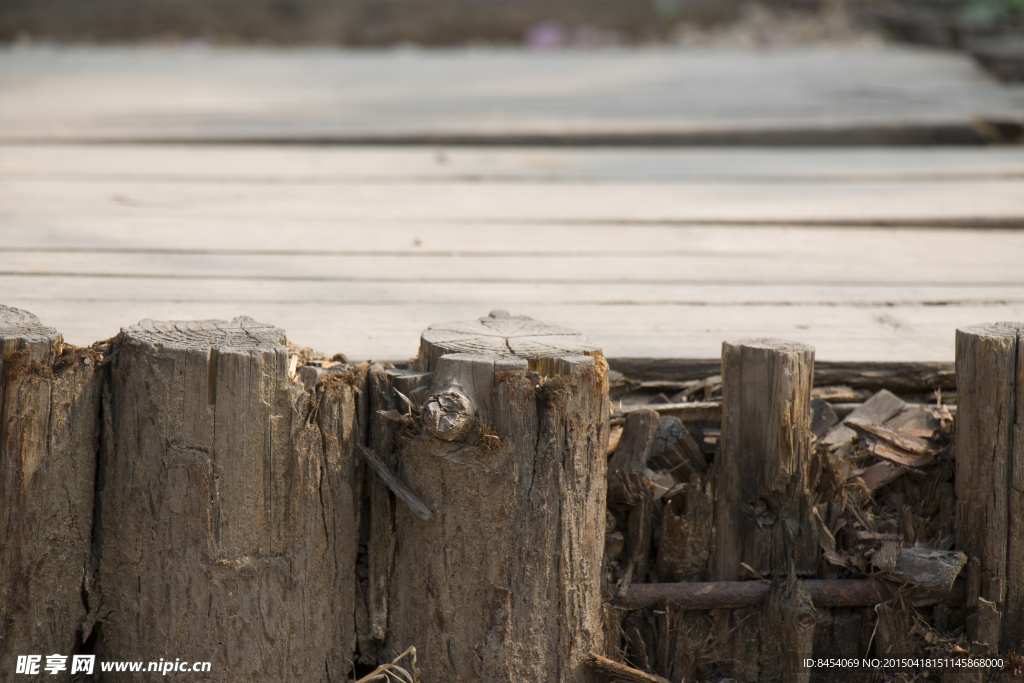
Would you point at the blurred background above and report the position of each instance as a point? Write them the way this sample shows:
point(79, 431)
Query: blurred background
point(543, 24)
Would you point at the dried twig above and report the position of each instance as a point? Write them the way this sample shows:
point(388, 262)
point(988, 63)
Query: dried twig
point(392, 673)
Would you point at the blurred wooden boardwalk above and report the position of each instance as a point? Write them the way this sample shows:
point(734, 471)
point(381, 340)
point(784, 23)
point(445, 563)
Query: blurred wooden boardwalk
point(181, 184)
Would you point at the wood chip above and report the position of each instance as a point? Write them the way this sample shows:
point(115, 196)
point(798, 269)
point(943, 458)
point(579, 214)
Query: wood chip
point(936, 569)
point(880, 474)
point(883, 450)
point(911, 444)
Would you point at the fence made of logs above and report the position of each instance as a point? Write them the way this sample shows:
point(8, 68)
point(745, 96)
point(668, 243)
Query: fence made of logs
point(509, 502)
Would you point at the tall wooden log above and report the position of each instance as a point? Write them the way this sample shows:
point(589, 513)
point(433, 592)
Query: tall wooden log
point(503, 583)
point(49, 435)
point(990, 472)
point(761, 509)
point(229, 508)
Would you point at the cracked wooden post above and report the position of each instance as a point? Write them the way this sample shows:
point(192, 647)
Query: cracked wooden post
point(761, 512)
point(503, 583)
point(49, 435)
point(990, 478)
point(229, 505)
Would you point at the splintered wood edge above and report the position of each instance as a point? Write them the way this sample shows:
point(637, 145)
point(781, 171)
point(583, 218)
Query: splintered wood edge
point(241, 334)
point(504, 337)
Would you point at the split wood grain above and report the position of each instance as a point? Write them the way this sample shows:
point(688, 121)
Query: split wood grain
point(49, 436)
point(232, 493)
point(990, 470)
point(504, 583)
point(381, 543)
point(762, 515)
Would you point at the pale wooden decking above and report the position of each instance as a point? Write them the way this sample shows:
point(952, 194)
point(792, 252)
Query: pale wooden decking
point(866, 253)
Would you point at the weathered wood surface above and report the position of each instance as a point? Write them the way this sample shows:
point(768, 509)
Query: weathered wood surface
point(368, 260)
point(230, 498)
point(504, 583)
point(990, 472)
point(49, 436)
point(787, 625)
point(853, 94)
point(270, 164)
point(762, 510)
point(918, 202)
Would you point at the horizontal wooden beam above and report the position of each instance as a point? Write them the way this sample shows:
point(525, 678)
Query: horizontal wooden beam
point(737, 594)
point(895, 376)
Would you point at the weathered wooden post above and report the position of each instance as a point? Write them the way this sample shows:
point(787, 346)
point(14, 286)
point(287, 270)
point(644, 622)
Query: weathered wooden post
point(762, 517)
point(49, 435)
point(503, 583)
point(762, 514)
point(229, 505)
point(990, 478)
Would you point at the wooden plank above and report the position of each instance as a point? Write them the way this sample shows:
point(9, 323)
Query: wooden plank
point(370, 330)
point(135, 231)
point(992, 202)
point(333, 95)
point(735, 296)
point(932, 276)
point(267, 164)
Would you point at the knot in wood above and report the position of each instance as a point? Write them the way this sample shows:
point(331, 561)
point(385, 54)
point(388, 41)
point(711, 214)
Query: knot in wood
point(806, 617)
point(449, 415)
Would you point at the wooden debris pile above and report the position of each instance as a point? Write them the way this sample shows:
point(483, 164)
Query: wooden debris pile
point(880, 484)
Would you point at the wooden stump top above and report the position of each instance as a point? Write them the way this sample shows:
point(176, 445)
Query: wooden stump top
point(1010, 330)
point(500, 335)
point(769, 344)
point(20, 329)
point(242, 334)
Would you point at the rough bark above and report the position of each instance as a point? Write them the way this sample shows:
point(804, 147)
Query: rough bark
point(990, 470)
point(49, 436)
point(503, 584)
point(229, 505)
point(761, 510)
